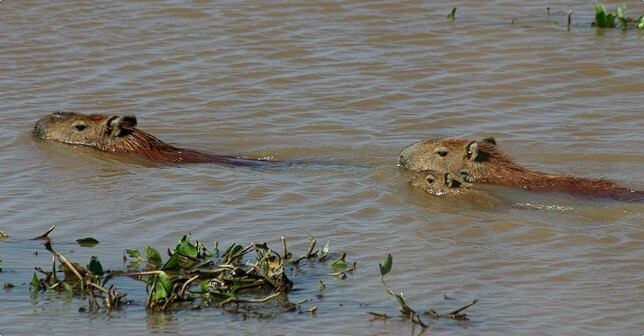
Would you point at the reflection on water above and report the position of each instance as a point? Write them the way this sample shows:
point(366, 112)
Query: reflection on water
point(350, 83)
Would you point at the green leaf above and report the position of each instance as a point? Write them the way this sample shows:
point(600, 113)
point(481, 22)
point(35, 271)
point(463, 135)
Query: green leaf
point(134, 254)
point(600, 9)
point(95, 266)
point(180, 261)
point(204, 285)
point(452, 15)
point(622, 23)
point(68, 288)
point(620, 11)
point(172, 263)
point(87, 242)
point(385, 267)
point(340, 262)
point(186, 248)
point(35, 282)
point(600, 16)
point(325, 250)
point(640, 22)
point(610, 21)
point(153, 256)
point(163, 287)
point(234, 251)
point(177, 261)
point(215, 250)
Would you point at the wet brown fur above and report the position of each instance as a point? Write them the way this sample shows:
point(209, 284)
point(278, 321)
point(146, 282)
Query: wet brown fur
point(486, 163)
point(119, 135)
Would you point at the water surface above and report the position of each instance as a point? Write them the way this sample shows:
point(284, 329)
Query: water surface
point(350, 83)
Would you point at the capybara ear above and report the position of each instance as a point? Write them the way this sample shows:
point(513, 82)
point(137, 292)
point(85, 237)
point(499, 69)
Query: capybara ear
point(129, 119)
point(489, 140)
point(114, 126)
point(464, 175)
point(472, 150)
point(451, 182)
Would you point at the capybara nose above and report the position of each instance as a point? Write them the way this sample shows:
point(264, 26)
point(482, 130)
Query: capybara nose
point(39, 129)
point(401, 161)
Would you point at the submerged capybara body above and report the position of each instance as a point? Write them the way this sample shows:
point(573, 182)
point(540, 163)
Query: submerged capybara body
point(118, 134)
point(452, 186)
point(485, 163)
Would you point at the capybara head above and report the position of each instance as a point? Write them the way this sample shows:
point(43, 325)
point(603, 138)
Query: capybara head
point(96, 130)
point(439, 183)
point(116, 134)
point(484, 162)
point(451, 155)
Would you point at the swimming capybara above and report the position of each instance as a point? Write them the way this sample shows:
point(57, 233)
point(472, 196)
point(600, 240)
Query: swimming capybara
point(439, 183)
point(454, 186)
point(118, 134)
point(486, 163)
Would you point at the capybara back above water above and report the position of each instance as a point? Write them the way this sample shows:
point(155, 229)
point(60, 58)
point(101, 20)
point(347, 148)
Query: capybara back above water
point(118, 134)
point(486, 163)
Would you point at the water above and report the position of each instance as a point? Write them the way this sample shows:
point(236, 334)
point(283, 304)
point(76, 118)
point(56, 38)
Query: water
point(347, 83)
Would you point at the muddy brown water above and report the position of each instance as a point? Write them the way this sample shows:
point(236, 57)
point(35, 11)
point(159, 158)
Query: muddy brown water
point(350, 83)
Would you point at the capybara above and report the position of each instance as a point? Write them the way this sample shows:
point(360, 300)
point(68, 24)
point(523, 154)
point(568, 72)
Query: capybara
point(454, 186)
point(118, 134)
point(486, 163)
point(439, 183)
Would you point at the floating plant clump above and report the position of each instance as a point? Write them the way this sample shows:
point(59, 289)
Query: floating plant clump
point(407, 312)
point(192, 276)
point(195, 277)
point(605, 19)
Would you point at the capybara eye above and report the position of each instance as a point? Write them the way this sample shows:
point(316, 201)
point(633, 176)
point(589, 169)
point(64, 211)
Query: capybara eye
point(430, 179)
point(80, 127)
point(442, 153)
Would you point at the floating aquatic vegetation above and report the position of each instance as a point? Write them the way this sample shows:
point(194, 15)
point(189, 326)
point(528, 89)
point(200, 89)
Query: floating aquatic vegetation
point(408, 312)
point(45, 235)
point(605, 19)
point(191, 276)
point(452, 15)
point(87, 242)
point(77, 279)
